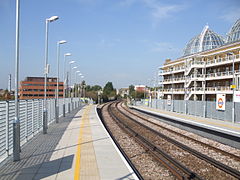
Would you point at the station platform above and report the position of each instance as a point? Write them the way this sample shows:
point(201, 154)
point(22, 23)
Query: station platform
point(228, 128)
point(78, 147)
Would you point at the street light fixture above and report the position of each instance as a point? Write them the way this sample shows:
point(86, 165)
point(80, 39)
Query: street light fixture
point(58, 56)
point(51, 19)
point(64, 72)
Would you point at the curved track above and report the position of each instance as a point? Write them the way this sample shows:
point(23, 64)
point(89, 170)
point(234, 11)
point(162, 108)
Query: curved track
point(146, 136)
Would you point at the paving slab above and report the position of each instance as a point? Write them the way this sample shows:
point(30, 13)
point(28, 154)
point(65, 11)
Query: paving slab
point(78, 147)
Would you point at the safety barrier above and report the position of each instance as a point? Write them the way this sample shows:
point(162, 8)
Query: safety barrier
point(31, 119)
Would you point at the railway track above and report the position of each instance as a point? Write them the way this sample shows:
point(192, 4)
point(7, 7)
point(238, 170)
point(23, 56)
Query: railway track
point(146, 136)
point(144, 118)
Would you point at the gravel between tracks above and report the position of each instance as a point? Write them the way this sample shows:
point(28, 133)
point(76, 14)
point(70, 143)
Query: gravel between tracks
point(202, 168)
point(143, 161)
point(204, 150)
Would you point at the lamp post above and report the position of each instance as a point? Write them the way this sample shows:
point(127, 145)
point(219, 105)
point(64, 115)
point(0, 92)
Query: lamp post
point(57, 103)
point(76, 76)
point(70, 72)
point(46, 69)
point(76, 90)
point(64, 72)
point(83, 88)
point(16, 122)
point(79, 85)
point(69, 89)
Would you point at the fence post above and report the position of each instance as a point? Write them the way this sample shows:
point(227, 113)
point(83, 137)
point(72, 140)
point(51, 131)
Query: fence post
point(204, 109)
point(172, 105)
point(26, 120)
point(33, 117)
point(185, 105)
point(56, 110)
point(50, 112)
point(39, 112)
point(7, 128)
point(69, 105)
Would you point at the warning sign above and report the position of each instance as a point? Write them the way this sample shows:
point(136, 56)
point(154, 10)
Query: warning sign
point(169, 100)
point(220, 102)
point(236, 96)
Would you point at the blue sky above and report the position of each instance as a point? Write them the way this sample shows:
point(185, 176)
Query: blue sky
point(123, 41)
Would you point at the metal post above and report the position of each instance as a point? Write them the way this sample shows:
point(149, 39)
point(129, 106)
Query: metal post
point(16, 122)
point(33, 117)
point(64, 72)
point(172, 95)
point(233, 82)
point(38, 115)
point(9, 83)
point(45, 80)
point(57, 103)
point(7, 129)
point(26, 119)
point(204, 92)
point(185, 87)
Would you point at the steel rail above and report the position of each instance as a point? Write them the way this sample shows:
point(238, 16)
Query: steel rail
point(138, 174)
point(173, 165)
point(208, 159)
point(184, 136)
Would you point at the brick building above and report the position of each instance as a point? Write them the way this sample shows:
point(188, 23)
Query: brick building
point(33, 88)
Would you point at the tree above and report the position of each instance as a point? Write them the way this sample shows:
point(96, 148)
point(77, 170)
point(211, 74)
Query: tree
point(96, 88)
point(131, 91)
point(109, 93)
point(108, 88)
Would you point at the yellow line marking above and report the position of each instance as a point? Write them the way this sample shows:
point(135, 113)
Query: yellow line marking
point(78, 153)
point(194, 119)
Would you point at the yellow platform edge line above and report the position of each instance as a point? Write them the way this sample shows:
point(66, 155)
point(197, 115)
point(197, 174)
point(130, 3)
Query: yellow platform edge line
point(78, 153)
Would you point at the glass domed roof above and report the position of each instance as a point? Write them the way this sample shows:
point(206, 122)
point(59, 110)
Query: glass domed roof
point(234, 33)
point(204, 41)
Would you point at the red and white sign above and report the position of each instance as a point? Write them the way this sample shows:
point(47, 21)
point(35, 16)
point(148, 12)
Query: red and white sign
point(236, 96)
point(169, 100)
point(220, 102)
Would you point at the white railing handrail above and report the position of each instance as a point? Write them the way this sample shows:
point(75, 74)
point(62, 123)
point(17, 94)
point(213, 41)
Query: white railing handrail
point(223, 59)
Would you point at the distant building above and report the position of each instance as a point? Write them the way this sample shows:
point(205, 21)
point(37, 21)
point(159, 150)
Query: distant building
point(140, 88)
point(123, 92)
point(33, 88)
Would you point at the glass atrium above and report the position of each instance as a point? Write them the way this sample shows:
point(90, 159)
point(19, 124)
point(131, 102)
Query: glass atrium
point(234, 33)
point(204, 41)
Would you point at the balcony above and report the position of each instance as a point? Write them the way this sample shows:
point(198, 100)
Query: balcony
point(222, 61)
point(174, 80)
point(173, 91)
point(173, 70)
point(221, 75)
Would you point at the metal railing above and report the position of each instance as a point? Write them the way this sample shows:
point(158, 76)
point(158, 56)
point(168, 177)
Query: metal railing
point(219, 60)
point(31, 119)
point(205, 109)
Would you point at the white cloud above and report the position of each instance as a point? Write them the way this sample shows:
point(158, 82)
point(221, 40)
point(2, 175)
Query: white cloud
point(127, 3)
point(231, 14)
point(163, 47)
point(158, 10)
point(108, 43)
